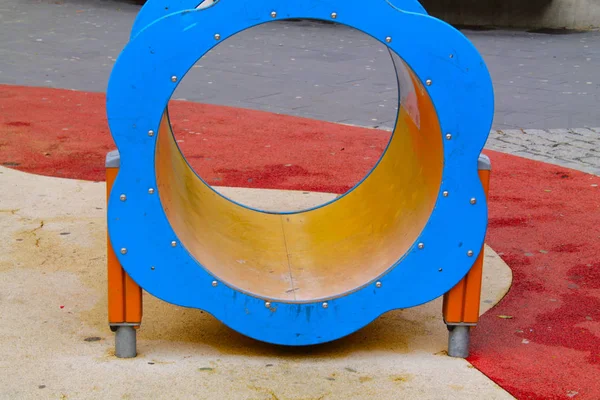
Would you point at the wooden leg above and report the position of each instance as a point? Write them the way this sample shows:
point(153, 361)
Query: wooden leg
point(124, 295)
point(461, 303)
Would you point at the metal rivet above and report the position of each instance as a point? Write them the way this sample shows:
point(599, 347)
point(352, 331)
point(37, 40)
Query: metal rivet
point(388, 39)
point(448, 136)
point(217, 36)
point(122, 197)
point(470, 253)
point(451, 55)
point(173, 78)
point(152, 268)
point(173, 244)
point(151, 191)
point(214, 283)
point(268, 304)
point(428, 82)
point(445, 193)
point(473, 200)
point(421, 246)
point(378, 284)
point(334, 15)
point(440, 270)
point(123, 250)
point(325, 305)
point(150, 133)
point(273, 14)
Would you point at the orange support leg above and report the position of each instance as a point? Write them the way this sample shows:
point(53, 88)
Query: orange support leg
point(124, 295)
point(461, 303)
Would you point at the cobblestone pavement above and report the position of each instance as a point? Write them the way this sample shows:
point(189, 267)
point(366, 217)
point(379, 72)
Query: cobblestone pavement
point(572, 148)
point(323, 71)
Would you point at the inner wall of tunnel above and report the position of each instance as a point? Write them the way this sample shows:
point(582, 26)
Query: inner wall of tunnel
point(273, 146)
point(321, 253)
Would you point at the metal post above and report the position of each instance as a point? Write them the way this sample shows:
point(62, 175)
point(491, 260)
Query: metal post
point(458, 341)
point(125, 342)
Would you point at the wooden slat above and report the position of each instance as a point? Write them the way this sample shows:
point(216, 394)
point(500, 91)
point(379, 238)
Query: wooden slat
point(461, 303)
point(124, 295)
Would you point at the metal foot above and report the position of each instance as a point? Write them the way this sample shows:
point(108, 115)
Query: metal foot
point(125, 342)
point(458, 341)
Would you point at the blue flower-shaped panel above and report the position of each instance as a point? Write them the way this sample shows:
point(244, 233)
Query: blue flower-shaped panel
point(405, 235)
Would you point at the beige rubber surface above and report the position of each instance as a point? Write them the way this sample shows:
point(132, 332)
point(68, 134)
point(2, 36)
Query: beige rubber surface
point(55, 342)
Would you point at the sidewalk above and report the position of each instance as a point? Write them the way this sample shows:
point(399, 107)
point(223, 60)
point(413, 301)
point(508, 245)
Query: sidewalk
point(55, 341)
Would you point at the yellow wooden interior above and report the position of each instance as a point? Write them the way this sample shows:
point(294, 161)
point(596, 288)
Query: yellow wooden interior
point(319, 253)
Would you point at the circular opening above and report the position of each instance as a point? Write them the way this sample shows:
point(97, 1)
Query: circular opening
point(301, 108)
point(318, 253)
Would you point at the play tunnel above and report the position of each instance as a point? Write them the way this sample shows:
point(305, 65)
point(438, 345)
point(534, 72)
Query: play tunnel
point(404, 235)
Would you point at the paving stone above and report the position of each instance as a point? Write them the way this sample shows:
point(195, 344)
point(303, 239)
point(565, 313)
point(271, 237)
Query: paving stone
point(534, 156)
point(587, 133)
point(566, 148)
point(542, 136)
point(504, 146)
point(568, 152)
point(590, 146)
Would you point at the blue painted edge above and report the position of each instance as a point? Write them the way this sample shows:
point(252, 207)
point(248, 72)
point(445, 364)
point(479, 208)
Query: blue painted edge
point(138, 92)
point(155, 9)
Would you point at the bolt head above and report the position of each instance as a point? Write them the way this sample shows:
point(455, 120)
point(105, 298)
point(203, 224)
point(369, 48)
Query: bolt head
point(173, 244)
point(268, 304)
point(150, 133)
point(428, 82)
point(273, 14)
point(173, 78)
point(151, 191)
point(333, 15)
point(421, 246)
point(214, 283)
point(217, 36)
point(440, 270)
point(451, 56)
point(123, 250)
point(473, 200)
point(122, 197)
point(445, 193)
point(152, 268)
point(388, 39)
point(325, 305)
point(448, 136)
point(470, 253)
point(378, 284)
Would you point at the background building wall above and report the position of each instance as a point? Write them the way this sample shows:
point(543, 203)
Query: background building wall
point(556, 14)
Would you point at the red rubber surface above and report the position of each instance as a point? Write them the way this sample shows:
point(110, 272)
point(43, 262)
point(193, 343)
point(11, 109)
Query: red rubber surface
point(544, 220)
point(64, 133)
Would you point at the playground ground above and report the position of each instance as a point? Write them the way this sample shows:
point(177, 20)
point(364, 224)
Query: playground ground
point(540, 341)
